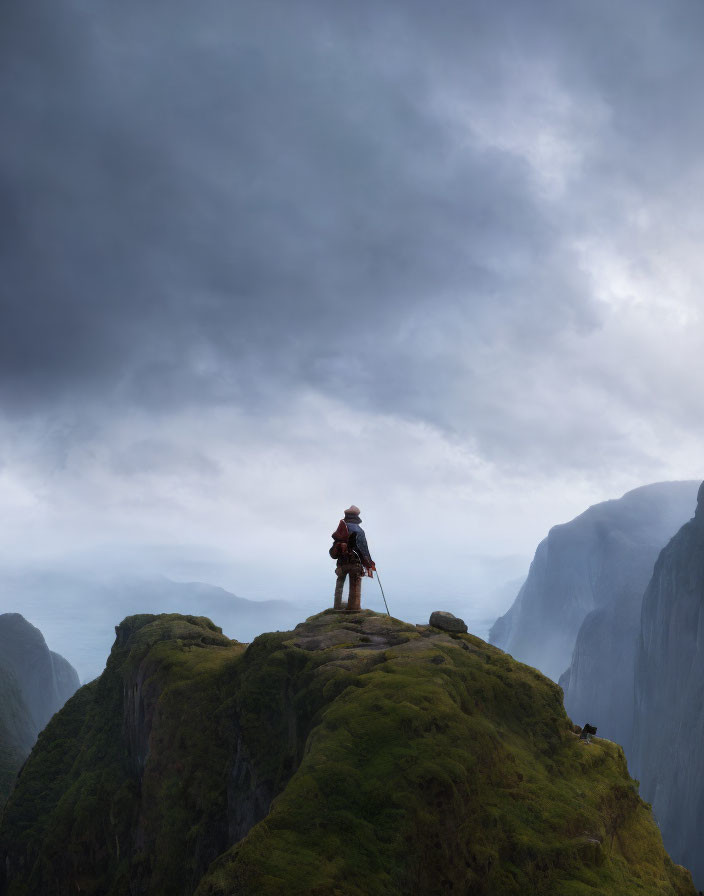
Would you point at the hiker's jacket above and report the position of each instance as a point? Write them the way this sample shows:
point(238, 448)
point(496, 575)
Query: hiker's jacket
point(359, 542)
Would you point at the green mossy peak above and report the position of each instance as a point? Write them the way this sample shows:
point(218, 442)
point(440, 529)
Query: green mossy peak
point(146, 629)
point(356, 755)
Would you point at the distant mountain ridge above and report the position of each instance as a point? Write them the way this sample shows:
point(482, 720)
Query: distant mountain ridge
point(637, 668)
point(601, 560)
point(46, 680)
point(76, 609)
point(34, 683)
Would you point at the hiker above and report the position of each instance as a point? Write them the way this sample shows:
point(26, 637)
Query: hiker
point(353, 559)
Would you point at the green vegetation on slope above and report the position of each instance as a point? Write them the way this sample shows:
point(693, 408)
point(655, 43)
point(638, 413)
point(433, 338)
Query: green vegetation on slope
point(400, 759)
point(83, 803)
point(16, 732)
point(33, 684)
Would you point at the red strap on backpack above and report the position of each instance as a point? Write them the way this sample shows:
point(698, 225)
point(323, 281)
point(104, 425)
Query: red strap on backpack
point(342, 533)
point(339, 541)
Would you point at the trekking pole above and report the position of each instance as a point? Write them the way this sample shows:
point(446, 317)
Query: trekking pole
point(382, 594)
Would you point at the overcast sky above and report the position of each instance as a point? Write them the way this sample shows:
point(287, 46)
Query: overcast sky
point(260, 260)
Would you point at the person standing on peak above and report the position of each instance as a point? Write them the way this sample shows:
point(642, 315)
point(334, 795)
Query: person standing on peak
point(351, 551)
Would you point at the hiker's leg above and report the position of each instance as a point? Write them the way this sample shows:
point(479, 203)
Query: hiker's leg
point(339, 585)
point(354, 602)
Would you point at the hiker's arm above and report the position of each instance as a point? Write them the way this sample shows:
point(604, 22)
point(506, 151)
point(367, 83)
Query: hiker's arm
point(363, 549)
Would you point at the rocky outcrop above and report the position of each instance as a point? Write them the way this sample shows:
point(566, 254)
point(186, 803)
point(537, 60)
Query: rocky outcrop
point(667, 752)
point(579, 607)
point(448, 622)
point(355, 754)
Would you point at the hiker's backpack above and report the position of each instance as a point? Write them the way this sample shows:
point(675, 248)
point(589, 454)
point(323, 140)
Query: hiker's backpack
point(340, 541)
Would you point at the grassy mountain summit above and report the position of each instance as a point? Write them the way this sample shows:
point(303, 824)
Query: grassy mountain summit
point(356, 754)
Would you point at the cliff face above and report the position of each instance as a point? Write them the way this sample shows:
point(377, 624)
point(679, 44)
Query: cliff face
point(34, 684)
point(669, 679)
point(16, 731)
point(599, 682)
point(579, 609)
point(354, 755)
point(46, 680)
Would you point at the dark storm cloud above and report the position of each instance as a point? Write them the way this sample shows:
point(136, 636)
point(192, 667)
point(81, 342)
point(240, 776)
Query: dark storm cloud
point(223, 202)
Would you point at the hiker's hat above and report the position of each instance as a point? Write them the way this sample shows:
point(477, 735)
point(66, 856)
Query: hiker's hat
point(353, 510)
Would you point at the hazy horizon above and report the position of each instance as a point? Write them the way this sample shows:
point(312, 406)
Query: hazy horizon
point(77, 600)
point(77, 606)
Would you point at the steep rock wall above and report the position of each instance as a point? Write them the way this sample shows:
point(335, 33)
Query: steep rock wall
point(668, 754)
point(155, 776)
point(602, 559)
point(599, 682)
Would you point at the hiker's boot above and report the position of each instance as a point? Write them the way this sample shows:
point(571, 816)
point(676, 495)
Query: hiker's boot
point(354, 601)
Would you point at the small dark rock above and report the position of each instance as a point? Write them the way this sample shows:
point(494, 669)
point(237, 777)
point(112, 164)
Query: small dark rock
point(448, 622)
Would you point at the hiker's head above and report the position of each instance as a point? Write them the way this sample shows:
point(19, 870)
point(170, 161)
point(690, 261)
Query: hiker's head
point(352, 510)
